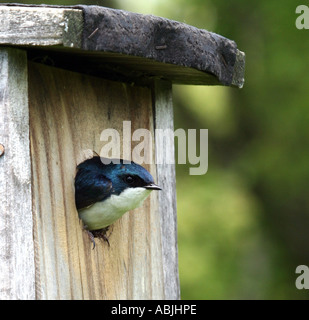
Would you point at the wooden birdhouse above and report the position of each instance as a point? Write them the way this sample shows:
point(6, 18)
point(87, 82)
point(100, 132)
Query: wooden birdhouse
point(67, 74)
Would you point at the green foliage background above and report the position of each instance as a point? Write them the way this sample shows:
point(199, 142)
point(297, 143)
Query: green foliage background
point(243, 227)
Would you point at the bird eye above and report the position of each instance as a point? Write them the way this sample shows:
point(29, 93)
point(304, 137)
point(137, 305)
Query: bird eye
point(129, 179)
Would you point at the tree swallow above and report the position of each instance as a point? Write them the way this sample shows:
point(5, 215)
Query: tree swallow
point(104, 192)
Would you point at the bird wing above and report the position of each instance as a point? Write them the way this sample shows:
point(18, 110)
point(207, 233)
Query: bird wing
point(90, 187)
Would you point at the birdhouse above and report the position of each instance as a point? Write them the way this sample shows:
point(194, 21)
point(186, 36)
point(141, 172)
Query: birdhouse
point(67, 75)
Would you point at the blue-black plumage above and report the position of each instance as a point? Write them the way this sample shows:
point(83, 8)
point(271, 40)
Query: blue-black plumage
point(104, 192)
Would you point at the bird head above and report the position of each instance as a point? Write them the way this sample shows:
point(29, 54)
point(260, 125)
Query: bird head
point(129, 175)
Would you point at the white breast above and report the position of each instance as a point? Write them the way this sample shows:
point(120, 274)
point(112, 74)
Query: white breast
point(103, 214)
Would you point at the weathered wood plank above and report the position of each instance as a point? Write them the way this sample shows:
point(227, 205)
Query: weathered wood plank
point(159, 39)
point(38, 26)
point(165, 159)
point(17, 271)
point(140, 46)
point(68, 112)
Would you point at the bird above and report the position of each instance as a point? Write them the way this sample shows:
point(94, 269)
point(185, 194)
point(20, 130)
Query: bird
point(104, 192)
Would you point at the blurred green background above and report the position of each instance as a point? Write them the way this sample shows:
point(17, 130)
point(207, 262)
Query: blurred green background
point(243, 227)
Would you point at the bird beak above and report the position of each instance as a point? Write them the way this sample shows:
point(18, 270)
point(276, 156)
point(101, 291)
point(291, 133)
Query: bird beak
point(152, 186)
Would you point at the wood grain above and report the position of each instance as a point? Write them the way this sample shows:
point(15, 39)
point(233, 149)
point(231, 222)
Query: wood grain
point(165, 159)
point(68, 111)
point(40, 26)
point(16, 236)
